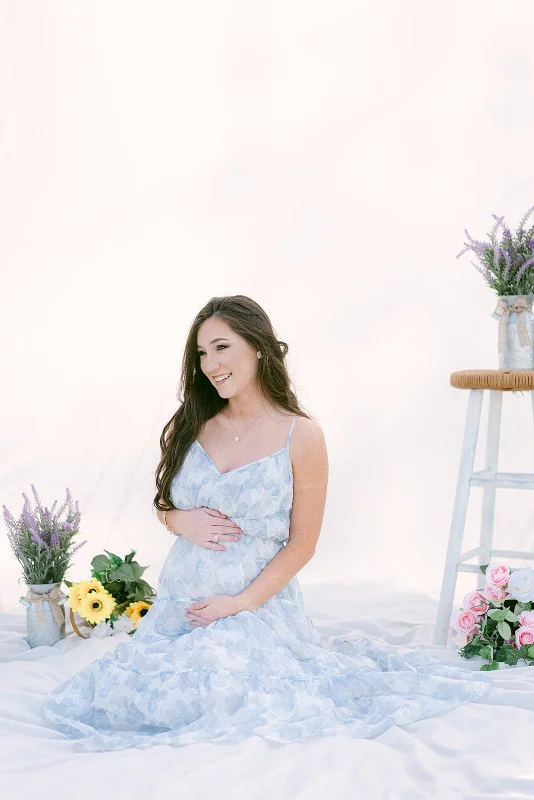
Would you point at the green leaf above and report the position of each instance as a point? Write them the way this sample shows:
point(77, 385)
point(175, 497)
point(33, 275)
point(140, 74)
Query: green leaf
point(486, 652)
point(137, 570)
point(112, 555)
point(498, 614)
point(123, 573)
point(138, 594)
point(114, 560)
point(146, 587)
point(129, 558)
point(100, 563)
point(483, 567)
point(511, 617)
point(113, 587)
point(504, 630)
point(530, 651)
point(490, 666)
point(67, 583)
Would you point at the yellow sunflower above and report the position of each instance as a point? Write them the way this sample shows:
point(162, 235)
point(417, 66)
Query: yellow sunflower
point(74, 597)
point(92, 584)
point(96, 606)
point(137, 610)
point(79, 590)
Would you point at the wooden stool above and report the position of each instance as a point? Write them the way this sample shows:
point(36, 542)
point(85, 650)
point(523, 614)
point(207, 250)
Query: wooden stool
point(477, 381)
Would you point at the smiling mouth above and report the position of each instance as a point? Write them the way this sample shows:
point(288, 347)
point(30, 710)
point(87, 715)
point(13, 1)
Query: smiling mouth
point(218, 383)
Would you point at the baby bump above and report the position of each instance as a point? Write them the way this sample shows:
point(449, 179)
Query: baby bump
point(193, 571)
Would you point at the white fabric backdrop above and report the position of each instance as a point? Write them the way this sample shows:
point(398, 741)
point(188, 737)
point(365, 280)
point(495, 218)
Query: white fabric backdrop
point(323, 159)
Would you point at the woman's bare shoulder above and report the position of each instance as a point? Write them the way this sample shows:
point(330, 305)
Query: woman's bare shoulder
point(308, 431)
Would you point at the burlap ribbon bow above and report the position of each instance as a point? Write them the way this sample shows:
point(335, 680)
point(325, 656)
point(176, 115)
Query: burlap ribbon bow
point(52, 596)
point(504, 310)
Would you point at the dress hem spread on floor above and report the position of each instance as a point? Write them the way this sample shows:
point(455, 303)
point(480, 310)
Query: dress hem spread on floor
point(260, 673)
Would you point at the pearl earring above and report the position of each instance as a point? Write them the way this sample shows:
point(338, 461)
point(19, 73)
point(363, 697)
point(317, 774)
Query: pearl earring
point(259, 354)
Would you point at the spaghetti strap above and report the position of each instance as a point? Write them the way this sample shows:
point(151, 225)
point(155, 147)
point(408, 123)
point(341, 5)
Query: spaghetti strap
point(291, 431)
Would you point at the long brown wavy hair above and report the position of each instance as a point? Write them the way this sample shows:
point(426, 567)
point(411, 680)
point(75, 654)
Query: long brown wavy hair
point(199, 399)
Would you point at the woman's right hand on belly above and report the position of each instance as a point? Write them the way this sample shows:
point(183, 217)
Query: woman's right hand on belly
point(200, 525)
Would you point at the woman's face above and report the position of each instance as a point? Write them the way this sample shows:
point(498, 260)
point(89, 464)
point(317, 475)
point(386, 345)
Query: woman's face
point(222, 352)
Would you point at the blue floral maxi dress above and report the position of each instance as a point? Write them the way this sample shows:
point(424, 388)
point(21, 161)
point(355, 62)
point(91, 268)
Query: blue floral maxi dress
point(265, 672)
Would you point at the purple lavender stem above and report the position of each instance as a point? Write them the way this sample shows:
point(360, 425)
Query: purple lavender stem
point(34, 490)
point(498, 223)
point(508, 266)
point(526, 216)
point(525, 266)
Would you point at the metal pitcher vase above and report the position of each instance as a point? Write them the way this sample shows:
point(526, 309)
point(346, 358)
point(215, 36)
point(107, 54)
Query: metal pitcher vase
point(45, 618)
point(516, 331)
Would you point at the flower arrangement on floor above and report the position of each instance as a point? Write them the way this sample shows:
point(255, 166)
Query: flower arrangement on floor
point(114, 599)
point(498, 620)
point(42, 543)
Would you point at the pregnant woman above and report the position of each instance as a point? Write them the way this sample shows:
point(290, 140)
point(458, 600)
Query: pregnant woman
point(227, 649)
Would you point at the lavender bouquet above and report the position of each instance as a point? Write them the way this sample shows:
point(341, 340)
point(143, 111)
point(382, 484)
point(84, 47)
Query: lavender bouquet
point(507, 259)
point(42, 542)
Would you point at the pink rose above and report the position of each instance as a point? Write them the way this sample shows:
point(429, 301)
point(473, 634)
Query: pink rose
point(496, 593)
point(476, 602)
point(524, 635)
point(497, 574)
point(465, 622)
point(527, 618)
point(475, 630)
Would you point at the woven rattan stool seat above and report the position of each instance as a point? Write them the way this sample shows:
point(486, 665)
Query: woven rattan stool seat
point(503, 380)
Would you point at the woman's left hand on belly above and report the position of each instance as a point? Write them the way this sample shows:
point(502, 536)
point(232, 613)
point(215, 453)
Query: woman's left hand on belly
point(203, 612)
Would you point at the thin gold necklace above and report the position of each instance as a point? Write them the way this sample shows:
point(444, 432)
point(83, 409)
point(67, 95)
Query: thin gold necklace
point(238, 438)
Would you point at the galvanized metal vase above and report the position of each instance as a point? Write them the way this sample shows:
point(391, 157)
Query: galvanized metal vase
point(516, 331)
point(45, 618)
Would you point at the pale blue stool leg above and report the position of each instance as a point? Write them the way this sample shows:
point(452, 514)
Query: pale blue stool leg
point(459, 515)
point(489, 492)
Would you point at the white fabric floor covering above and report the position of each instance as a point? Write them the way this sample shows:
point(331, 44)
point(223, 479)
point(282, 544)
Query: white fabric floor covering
point(479, 751)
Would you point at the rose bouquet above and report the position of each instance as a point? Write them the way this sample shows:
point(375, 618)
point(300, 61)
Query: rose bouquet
point(114, 599)
point(498, 621)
